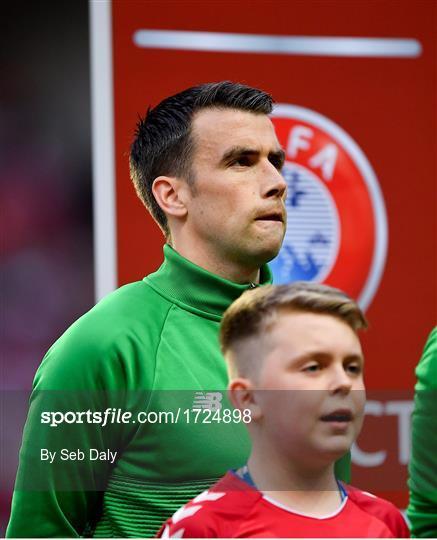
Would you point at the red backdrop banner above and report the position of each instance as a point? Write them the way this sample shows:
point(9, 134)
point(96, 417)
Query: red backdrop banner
point(383, 102)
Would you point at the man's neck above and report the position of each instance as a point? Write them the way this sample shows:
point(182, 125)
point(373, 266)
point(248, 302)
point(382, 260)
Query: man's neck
point(217, 265)
point(313, 492)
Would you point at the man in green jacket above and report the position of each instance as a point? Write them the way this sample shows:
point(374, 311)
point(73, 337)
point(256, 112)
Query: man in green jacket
point(207, 165)
point(422, 509)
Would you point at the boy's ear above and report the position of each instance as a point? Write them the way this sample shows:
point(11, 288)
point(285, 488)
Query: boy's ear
point(170, 193)
point(242, 395)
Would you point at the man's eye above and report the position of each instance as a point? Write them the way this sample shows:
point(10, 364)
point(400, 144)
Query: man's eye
point(277, 162)
point(242, 161)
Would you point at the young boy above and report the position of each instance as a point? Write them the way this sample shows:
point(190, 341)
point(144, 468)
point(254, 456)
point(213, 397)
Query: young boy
point(296, 370)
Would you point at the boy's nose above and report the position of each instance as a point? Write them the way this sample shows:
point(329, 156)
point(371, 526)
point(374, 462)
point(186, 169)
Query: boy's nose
point(340, 383)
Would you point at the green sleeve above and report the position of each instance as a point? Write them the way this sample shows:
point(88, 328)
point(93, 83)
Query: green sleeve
point(422, 508)
point(84, 370)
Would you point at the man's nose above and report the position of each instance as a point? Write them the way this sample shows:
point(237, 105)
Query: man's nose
point(275, 185)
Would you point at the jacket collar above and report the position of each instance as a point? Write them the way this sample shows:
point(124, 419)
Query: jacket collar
point(193, 288)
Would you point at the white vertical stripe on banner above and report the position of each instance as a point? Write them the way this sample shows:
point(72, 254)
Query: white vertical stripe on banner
point(103, 155)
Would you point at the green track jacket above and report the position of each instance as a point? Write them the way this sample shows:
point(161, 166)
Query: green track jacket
point(422, 509)
point(149, 347)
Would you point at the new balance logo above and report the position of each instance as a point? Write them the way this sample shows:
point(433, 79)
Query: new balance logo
point(208, 400)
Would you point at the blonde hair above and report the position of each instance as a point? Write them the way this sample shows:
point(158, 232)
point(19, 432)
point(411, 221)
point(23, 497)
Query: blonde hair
point(256, 310)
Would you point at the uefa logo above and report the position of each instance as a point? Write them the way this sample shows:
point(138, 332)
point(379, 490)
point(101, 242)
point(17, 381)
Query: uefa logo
point(337, 225)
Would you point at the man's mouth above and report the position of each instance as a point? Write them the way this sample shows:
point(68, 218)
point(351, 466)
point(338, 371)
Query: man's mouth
point(277, 216)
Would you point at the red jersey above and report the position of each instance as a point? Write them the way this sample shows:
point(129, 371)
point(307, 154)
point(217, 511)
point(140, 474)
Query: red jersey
point(234, 509)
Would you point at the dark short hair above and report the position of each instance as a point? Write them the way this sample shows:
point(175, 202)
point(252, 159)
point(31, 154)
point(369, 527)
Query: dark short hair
point(256, 310)
point(163, 144)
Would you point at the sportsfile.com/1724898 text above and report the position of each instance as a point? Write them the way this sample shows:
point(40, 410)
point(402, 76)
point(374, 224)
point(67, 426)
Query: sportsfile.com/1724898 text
point(113, 415)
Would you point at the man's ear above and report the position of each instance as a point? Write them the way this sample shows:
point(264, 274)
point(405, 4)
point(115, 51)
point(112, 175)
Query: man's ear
point(242, 394)
point(171, 193)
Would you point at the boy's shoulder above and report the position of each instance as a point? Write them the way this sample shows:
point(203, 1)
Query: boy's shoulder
point(380, 509)
point(231, 505)
point(213, 513)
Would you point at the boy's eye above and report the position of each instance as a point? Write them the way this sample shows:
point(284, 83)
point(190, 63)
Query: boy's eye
point(311, 368)
point(355, 369)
